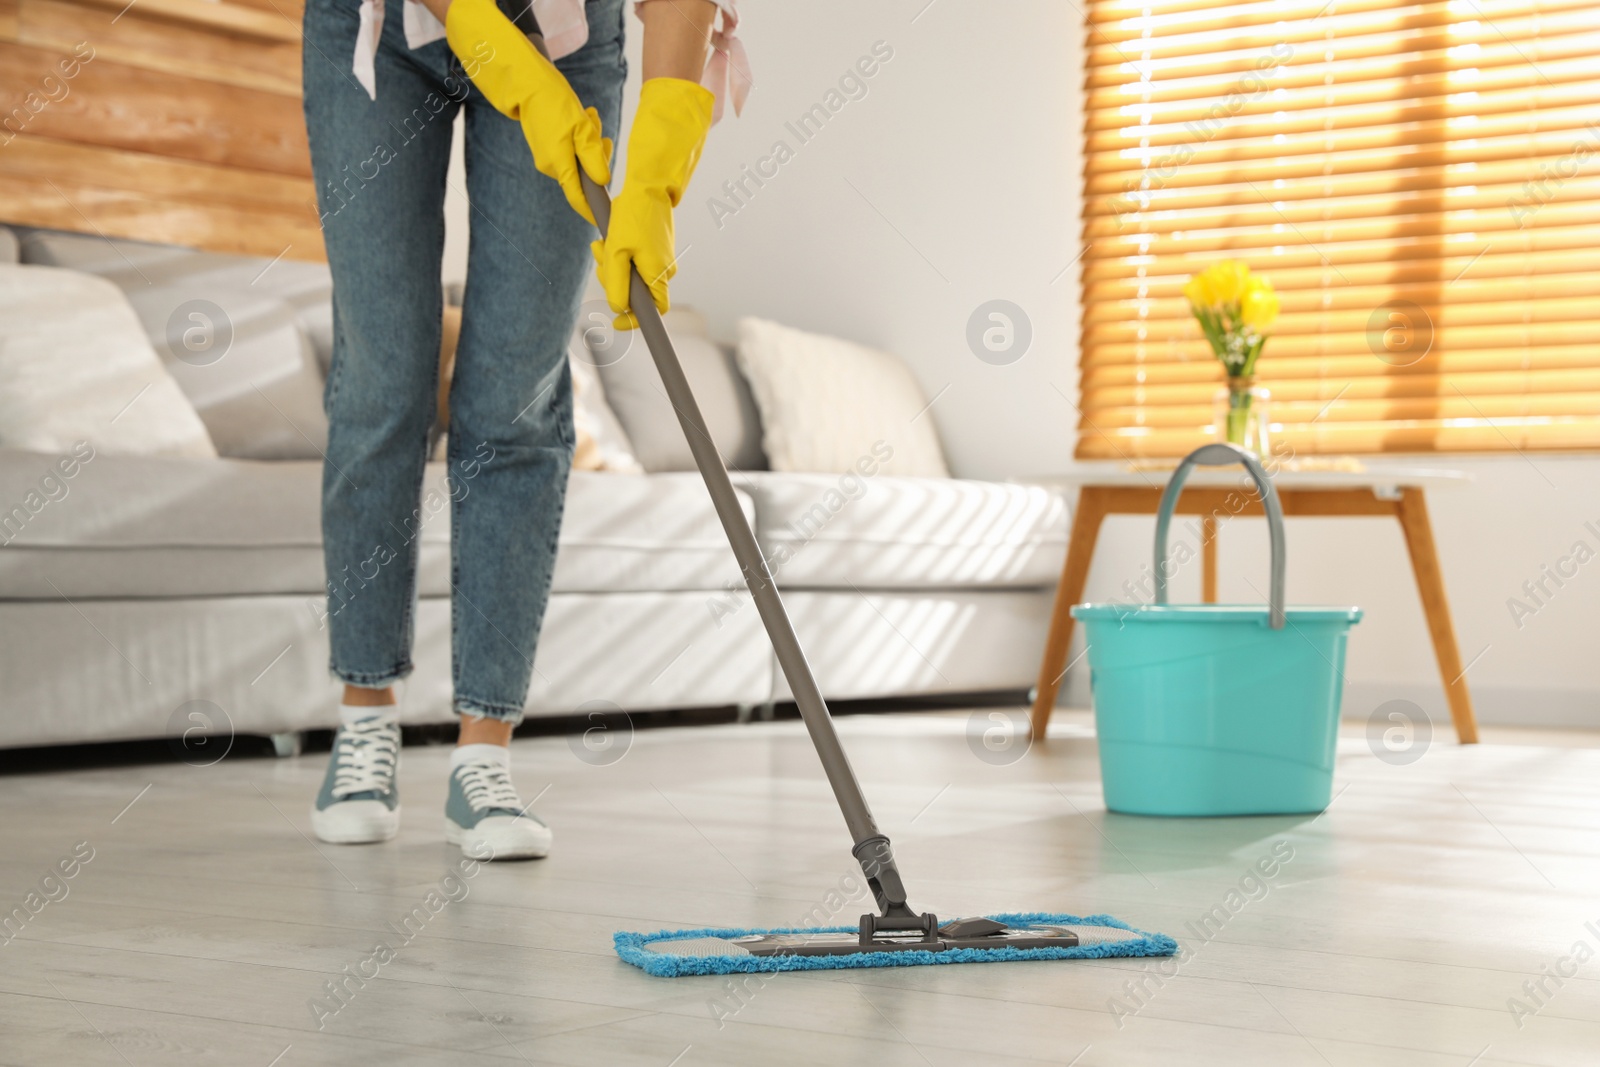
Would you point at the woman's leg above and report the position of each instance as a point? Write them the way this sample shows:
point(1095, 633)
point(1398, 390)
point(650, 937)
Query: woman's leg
point(380, 169)
point(511, 433)
point(511, 436)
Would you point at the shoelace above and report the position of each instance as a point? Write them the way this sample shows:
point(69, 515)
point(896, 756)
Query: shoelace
point(366, 757)
point(488, 785)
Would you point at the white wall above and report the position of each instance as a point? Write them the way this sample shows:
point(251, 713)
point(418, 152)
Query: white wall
point(951, 183)
point(955, 181)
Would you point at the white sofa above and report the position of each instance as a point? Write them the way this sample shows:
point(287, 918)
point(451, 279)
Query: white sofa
point(157, 582)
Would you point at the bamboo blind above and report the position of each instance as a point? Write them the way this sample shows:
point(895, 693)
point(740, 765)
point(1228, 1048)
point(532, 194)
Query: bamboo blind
point(1420, 181)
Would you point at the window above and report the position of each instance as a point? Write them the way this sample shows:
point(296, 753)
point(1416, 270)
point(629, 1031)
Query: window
point(1421, 183)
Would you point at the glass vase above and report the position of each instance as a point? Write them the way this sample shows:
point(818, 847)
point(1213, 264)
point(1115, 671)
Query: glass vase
point(1240, 414)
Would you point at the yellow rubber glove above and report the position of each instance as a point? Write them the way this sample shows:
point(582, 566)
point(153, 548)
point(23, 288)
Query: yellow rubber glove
point(525, 86)
point(663, 148)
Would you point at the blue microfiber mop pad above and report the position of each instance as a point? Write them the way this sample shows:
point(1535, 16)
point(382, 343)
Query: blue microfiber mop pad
point(631, 947)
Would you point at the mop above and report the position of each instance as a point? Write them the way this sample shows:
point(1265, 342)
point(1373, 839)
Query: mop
point(898, 936)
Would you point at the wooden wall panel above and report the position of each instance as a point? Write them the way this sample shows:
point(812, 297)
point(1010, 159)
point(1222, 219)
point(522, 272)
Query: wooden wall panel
point(293, 10)
point(185, 126)
point(164, 114)
point(130, 194)
point(267, 57)
point(270, 20)
point(41, 158)
point(111, 212)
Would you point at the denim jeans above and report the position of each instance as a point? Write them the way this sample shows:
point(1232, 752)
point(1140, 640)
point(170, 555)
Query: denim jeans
point(380, 169)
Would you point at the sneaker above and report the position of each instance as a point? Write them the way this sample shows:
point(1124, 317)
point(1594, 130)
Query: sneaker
point(359, 802)
point(484, 815)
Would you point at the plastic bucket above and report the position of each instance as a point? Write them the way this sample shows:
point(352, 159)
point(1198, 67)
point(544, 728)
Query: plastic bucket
point(1212, 709)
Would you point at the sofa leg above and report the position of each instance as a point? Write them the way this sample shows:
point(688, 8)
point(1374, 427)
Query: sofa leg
point(288, 745)
point(765, 711)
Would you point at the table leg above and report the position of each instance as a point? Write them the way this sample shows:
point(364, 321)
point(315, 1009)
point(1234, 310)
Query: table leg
point(1086, 520)
point(1412, 511)
point(1208, 559)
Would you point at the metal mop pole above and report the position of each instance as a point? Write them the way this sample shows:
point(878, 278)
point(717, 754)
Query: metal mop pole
point(871, 849)
point(871, 846)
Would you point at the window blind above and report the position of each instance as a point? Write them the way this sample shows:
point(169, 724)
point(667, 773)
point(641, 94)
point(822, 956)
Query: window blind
point(1420, 182)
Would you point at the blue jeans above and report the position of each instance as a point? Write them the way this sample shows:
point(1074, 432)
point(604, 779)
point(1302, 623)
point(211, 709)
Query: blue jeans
point(380, 169)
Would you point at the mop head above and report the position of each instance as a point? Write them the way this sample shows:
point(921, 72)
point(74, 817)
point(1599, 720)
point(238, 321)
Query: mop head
point(675, 953)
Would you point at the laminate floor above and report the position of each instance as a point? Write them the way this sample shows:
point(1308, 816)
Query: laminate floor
point(1442, 913)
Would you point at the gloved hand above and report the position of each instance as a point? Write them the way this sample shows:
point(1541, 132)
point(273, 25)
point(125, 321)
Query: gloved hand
point(663, 148)
point(523, 85)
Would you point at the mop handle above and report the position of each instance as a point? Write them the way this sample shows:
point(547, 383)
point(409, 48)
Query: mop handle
point(871, 849)
point(1222, 455)
point(746, 550)
point(871, 846)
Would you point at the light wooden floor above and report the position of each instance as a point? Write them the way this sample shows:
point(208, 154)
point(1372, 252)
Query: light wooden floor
point(207, 920)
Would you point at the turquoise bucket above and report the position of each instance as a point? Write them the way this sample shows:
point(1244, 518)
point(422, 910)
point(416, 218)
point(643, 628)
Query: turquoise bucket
point(1216, 709)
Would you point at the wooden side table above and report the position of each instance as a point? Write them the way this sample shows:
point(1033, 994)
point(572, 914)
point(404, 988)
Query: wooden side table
point(1117, 489)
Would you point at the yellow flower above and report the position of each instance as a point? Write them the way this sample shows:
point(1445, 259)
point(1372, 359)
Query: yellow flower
point(1258, 308)
point(1198, 292)
point(1219, 285)
point(1228, 280)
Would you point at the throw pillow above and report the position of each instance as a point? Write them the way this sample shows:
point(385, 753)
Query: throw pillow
point(603, 444)
point(229, 330)
point(244, 363)
point(826, 403)
point(306, 287)
point(633, 389)
point(75, 365)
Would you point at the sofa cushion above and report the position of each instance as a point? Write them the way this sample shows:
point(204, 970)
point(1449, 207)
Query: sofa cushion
point(75, 367)
point(132, 265)
point(260, 396)
point(823, 531)
point(123, 527)
point(228, 332)
point(633, 389)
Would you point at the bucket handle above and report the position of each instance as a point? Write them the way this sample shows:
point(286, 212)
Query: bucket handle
point(1223, 455)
